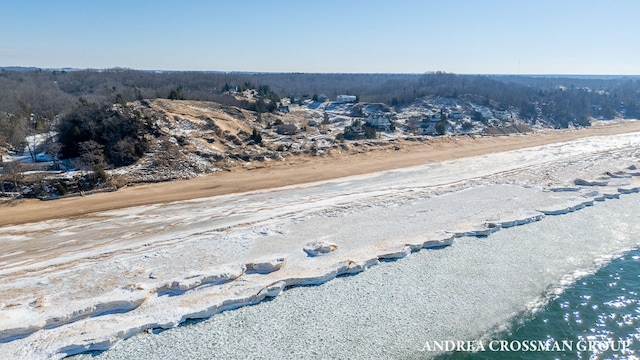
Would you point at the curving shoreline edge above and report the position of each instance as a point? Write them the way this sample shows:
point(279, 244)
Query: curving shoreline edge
point(268, 285)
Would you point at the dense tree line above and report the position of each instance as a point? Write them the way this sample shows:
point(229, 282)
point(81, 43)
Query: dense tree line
point(561, 100)
point(46, 93)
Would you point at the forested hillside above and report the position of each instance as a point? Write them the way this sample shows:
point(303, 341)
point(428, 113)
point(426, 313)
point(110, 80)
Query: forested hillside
point(32, 99)
point(167, 125)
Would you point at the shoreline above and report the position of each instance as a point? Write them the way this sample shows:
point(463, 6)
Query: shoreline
point(296, 171)
point(161, 280)
point(275, 277)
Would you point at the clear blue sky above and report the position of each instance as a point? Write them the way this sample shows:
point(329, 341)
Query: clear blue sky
point(397, 36)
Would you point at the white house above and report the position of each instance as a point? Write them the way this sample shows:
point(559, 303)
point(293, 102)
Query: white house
point(427, 128)
point(456, 115)
point(346, 99)
point(379, 121)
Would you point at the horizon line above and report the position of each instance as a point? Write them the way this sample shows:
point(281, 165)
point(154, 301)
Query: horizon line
point(248, 72)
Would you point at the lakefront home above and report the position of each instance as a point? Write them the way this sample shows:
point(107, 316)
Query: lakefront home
point(343, 99)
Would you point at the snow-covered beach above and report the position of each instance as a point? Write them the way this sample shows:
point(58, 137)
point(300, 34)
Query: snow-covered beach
point(98, 279)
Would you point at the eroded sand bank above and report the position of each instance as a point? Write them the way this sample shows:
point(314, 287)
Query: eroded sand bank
point(300, 170)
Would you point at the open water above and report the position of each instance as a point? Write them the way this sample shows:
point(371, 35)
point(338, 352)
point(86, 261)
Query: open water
point(572, 280)
point(598, 317)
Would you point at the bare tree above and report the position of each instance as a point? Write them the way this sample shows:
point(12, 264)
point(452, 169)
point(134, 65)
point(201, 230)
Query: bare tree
point(53, 150)
point(12, 131)
point(12, 171)
point(31, 137)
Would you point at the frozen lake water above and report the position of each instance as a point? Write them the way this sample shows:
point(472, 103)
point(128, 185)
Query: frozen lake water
point(461, 292)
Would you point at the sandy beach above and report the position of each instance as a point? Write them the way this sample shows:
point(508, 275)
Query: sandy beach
point(299, 171)
point(106, 267)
